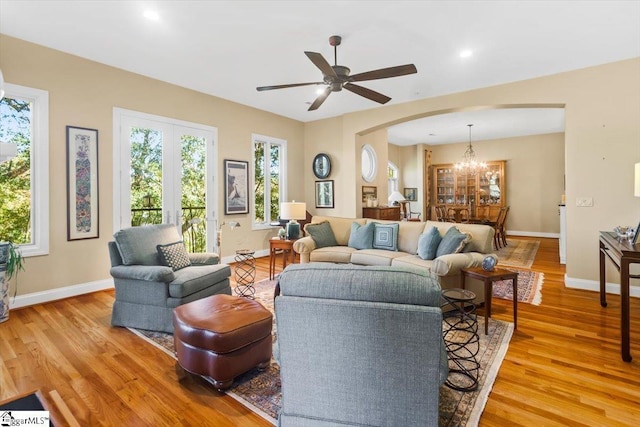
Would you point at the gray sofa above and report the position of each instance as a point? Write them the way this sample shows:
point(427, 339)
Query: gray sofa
point(147, 291)
point(446, 267)
point(359, 346)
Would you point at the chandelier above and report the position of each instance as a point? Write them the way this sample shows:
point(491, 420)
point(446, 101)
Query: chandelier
point(469, 165)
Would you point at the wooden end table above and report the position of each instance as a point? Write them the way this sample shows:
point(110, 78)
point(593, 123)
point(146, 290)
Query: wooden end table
point(286, 246)
point(488, 277)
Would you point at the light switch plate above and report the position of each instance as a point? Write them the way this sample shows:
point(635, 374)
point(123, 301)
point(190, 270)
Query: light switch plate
point(584, 202)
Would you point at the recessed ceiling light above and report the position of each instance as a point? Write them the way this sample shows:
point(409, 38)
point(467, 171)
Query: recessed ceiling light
point(466, 53)
point(320, 90)
point(151, 15)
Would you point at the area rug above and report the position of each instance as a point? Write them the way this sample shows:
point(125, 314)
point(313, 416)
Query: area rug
point(260, 390)
point(529, 287)
point(518, 253)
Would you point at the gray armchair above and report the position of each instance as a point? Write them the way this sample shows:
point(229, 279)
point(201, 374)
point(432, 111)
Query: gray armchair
point(359, 346)
point(146, 290)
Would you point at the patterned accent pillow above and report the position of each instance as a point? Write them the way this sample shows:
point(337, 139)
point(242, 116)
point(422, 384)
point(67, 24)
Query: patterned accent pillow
point(428, 243)
point(321, 233)
point(174, 255)
point(361, 236)
point(385, 236)
point(453, 242)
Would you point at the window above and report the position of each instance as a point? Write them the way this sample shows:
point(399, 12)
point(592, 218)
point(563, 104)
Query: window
point(269, 179)
point(392, 178)
point(369, 163)
point(24, 179)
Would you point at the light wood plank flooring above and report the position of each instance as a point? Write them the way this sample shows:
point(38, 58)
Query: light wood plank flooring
point(563, 366)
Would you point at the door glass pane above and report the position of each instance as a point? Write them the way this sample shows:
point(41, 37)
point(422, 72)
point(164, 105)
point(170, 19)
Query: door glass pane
point(193, 184)
point(146, 176)
point(15, 174)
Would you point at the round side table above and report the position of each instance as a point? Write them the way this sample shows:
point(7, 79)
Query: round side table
point(245, 269)
point(461, 339)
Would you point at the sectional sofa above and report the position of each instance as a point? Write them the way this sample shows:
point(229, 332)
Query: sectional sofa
point(446, 267)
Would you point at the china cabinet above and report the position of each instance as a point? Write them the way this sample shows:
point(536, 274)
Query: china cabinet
point(484, 192)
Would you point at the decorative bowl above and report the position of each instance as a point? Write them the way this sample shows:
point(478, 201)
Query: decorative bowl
point(624, 232)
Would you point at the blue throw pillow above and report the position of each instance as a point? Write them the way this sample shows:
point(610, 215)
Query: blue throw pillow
point(385, 236)
point(322, 234)
point(452, 242)
point(361, 236)
point(428, 243)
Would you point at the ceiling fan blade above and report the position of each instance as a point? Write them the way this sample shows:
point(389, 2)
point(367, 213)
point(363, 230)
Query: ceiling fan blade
point(384, 73)
point(367, 93)
point(319, 100)
point(262, 88)
point(319, 61)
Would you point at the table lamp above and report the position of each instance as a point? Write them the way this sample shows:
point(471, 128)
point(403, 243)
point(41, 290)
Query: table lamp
point(292, 211)
point(396, 197)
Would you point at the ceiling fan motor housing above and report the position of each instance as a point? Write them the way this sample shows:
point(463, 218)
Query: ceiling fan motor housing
point(343, 77)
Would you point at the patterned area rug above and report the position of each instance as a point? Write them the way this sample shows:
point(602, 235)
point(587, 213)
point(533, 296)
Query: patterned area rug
point(529, 287)
point(518, 253)
point(260, 390)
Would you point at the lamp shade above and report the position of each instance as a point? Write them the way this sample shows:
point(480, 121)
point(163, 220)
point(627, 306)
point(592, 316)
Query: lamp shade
point(636, 188)
point(293, 210)
point(396, 197)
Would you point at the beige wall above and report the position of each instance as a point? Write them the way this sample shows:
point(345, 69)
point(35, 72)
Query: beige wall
point(84, 93)
point(535, 177)
point(602, 143)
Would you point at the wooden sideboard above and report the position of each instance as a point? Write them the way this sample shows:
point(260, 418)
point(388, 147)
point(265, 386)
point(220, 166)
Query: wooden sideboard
point(391, 213)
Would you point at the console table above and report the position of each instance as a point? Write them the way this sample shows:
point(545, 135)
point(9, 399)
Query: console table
point(391, 213)
point(622, 254)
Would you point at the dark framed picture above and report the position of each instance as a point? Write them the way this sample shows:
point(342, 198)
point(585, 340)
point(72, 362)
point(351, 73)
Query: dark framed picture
point(636, 235)
point(369, 192)
point(411, 194)
point(322, 166)
point(82, 184)
point(236, 184)
point(324, 194)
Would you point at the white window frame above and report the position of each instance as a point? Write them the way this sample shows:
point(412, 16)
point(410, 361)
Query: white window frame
point(392, 182)
point(39, 167)
point(268, 140)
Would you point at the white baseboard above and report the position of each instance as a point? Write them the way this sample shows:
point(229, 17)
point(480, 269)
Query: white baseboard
point(60, 293)
point(533, 234)
point(85, 288)
point(594, 285)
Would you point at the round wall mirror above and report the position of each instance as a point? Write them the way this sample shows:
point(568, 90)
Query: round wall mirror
point(321, 166)
point(369, 163)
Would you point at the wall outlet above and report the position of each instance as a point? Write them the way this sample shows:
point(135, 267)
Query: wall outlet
point(584, 202)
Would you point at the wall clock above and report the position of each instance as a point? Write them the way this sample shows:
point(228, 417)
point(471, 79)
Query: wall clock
point(322, 166)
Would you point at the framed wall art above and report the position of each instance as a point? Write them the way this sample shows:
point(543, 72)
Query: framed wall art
point(369, 192)
point(236, 185)
point(324, 194)
point(82, 183)
point(411, 194)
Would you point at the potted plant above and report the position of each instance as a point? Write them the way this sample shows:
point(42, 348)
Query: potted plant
point(11, 262)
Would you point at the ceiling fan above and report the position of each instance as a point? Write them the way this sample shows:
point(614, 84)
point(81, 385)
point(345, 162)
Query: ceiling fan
point(337, 77)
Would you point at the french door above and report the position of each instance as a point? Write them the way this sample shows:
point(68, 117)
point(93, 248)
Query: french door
point(165, 175)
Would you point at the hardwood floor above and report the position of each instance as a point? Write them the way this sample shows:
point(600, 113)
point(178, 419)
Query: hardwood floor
point(563, 366)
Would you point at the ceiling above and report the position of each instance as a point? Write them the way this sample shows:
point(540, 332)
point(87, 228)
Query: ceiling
point(228, 48)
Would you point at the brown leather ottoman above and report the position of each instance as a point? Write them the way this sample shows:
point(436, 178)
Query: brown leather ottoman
point(221, 337)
